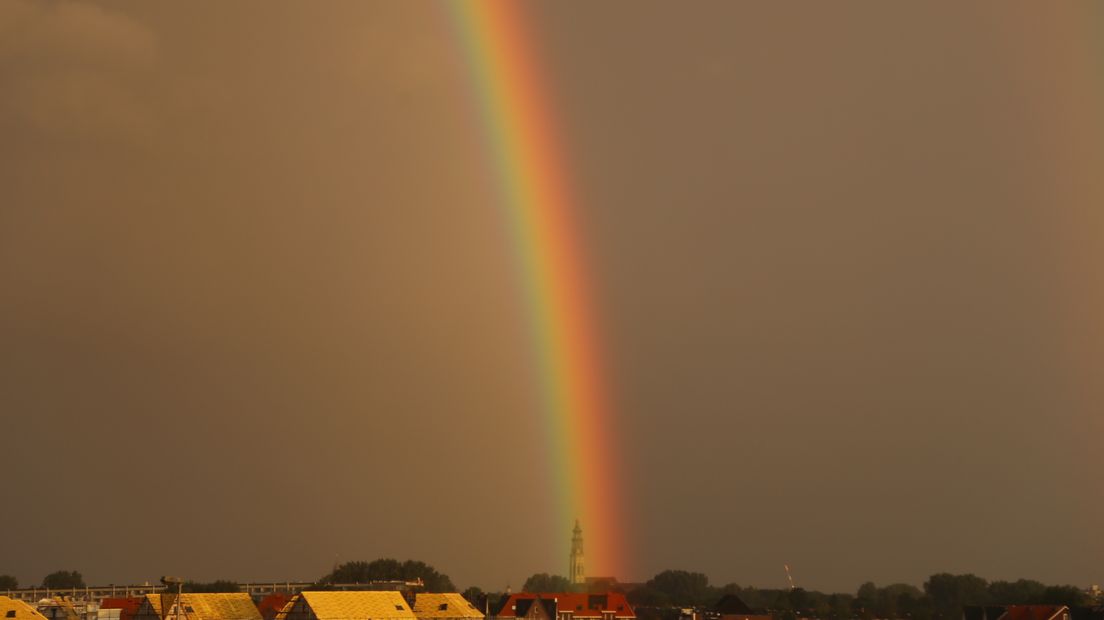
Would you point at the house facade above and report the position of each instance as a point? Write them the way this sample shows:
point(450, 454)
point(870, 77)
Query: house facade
point(568, 606)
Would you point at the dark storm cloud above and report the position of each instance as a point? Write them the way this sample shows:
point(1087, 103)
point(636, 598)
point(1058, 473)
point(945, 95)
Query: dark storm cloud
point(259, 310)
point(75, 67)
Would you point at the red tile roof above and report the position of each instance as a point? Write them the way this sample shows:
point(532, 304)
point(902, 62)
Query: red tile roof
point(272, 604)
point(128, 605)
point(580, 605)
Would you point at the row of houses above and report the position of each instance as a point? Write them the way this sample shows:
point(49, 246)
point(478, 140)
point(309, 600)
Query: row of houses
point(365, 605)
point(322, 605)
point(1031, 612)
point(567, 606)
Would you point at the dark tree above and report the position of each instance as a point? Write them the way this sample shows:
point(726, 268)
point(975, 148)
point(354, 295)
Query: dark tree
point(1020, 592)
point(488, 602)
point(923, 609)
point(751, 596)
point(646, 597)
point(63, 580)
point(543, 582)
point(780, 601)
point(840, 606)
point(434, 581)
point(1071, 596)
point(7, 582)
point(388, 569)
point(800, 599)
point(820, 605)
point(220, 585)
point(949, 593)
point(495, 602)
point(676, 587)
point(897, 600)
point(866, 598)
point(475, 596)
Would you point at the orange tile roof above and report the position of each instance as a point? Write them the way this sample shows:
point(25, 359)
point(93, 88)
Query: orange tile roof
point(356, 605)
point(221, 606)
point(272, 604)
point(128, 604)
point(18, 610)
point(447, 605)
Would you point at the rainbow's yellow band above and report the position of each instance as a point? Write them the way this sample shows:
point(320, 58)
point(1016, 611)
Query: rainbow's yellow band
point(536, 195)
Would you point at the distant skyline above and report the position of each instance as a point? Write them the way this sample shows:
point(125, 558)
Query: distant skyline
point(260, 311)
point(263, 586)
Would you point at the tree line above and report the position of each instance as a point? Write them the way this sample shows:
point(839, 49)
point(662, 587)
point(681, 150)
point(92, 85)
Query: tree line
point(384, 569)
point(57, 580)
point(942, 596)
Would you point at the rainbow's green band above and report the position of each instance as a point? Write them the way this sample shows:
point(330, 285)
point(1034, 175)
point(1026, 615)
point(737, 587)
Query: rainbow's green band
point(536, 196)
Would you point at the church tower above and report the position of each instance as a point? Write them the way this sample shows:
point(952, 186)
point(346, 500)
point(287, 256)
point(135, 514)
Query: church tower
point(576, 574)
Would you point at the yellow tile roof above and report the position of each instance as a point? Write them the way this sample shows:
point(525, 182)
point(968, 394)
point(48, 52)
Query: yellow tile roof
point(444, 606)
point(22, 610)
point(358, 605)
point(225, 606)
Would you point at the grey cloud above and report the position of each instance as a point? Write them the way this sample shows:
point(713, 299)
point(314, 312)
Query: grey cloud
point(75, 69)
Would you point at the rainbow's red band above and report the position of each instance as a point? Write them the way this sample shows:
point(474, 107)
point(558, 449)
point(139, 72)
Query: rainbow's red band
point(529, 162)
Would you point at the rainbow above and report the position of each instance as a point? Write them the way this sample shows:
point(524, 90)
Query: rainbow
point(528, 159)
point(1057, 63)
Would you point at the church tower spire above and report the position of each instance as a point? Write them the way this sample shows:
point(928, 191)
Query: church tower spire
point(577, 576)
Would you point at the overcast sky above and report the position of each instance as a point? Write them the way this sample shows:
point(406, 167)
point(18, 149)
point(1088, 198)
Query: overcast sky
point(258, 311)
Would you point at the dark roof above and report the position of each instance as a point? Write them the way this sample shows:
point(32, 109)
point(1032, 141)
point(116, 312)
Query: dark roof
point(730, 604)
point(522, 607)
point(524, 604)
point(1087, 613)
point(973, 612)
point(580, 605)
point(983, 612)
